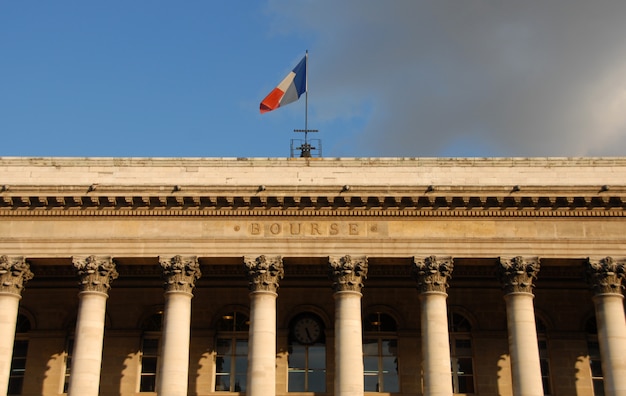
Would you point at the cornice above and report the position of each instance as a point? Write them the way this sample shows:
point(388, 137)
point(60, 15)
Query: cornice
point(462, 201)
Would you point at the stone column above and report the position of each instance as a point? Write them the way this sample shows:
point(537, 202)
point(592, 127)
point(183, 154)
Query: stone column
point(179, 275)
point(432, 275)
point(95, 276)
point(14, 273)
point(517, 275)
point(264, 273)
point(348, 274)
point(605, 278)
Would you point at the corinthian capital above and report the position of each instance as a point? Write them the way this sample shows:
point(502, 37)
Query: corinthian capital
point(14, 273)
point(347, 272)
point(180, 273)
point(517, 274)
point(432, 273)
point(95, 273)
point(605, 275)
point(264, 272)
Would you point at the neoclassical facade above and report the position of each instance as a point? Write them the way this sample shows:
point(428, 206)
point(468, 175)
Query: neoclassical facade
point(309, 276)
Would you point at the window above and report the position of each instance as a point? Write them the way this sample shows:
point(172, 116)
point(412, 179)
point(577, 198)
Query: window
point(380, 349)
point(595, 361)
point(307, 354)
point(461, 354)
point(231, 360)
point(69, 347)
point(150, 352)
point(18, 362)
point(544, 362)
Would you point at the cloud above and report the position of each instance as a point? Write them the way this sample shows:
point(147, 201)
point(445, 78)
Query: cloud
point(435, 78)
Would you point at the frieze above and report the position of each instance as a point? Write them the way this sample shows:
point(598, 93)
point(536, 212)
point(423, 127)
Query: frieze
point(180, 273)
point(95, 273)
point(347, 272)
point(517, 274)
point(432, 273)
point(605, 275)
point(14, 273)
point(264, 272)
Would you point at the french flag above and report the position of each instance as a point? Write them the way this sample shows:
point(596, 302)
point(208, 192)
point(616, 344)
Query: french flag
point(289, 90)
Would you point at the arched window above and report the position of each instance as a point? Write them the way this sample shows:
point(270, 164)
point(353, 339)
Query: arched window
point(595, 360)
point(307, 354)
point(380, 353)
point(461, 353)
point(544, 360)
point(231, 360)
point(18, 361)
point(150, 342)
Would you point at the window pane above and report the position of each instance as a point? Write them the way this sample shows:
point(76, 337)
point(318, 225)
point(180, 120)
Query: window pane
point(297, 357)
point(240, 383)
point(370, 364)
point(296, 381)
point(391, 382)
point(241, 364)
point(390, 347)
point(242, 347)
point(150, 346)
point(222, 382)
point(596, 368)
point(15, 386)
point(148, 383)
point(371, 382)
point(317, 357)
point(224, 367)
point(317, 381)
point(466, 384)
point(465, 366)
point(149, 365)
point(223, 346)
point(390, 364)
point(598, 387)
point(370, 347)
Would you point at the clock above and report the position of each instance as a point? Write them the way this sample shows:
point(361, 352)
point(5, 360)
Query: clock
point(307, 329)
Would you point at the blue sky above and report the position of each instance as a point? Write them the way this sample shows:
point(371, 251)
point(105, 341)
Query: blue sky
point(434, 78)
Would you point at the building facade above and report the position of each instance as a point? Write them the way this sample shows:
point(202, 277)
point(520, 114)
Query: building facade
point(396, 276)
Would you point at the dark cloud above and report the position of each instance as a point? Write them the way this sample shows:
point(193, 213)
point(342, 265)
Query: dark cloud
point(489, 78)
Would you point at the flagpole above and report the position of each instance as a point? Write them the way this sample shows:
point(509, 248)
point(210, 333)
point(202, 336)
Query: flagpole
point(306, 97)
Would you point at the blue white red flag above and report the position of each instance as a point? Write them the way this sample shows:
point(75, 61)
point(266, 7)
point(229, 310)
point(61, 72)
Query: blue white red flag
point(289, 90)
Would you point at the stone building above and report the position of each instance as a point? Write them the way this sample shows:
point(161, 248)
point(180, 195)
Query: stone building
point(404, 276)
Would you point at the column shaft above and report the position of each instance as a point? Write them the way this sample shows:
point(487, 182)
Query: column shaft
point(262, 344)
point(612, 340)
point(432, 275)
point(435, 344)
point(87, 352)
point(523, 345)
point(172, 378)
point(179, 275)
point(95, 274)
point(264, 274)
point(9, 304)
point(348, 344)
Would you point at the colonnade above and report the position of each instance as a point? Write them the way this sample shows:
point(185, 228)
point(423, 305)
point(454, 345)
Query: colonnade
point(432, 275)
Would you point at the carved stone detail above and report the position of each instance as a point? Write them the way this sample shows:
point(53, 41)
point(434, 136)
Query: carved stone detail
point(180, 273)
point(517, 274)
point(14, 273)
point(347, 272)
point(264, 272)
point(605, 275)
point(432, 273)
point(95, 273)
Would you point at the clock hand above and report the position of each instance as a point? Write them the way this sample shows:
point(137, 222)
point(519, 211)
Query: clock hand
point(308, 334)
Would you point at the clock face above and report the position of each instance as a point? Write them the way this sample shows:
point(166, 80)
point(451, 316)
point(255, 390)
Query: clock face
point(307, 330)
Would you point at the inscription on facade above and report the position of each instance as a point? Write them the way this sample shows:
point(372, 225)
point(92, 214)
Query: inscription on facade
point(311, 229)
